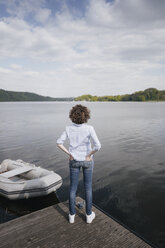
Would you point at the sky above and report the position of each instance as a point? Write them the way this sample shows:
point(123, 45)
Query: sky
point(67, 48)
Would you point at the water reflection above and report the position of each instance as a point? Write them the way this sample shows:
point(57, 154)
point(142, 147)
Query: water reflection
point(11, 209)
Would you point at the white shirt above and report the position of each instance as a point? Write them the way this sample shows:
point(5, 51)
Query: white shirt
point(79, 136)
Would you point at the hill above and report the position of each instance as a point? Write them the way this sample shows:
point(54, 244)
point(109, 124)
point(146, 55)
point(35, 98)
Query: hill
point(150, 94)
point(12, 96)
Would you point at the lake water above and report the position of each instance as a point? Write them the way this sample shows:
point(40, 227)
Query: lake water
point(129, 173)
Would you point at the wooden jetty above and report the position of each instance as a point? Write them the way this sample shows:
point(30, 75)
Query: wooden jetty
point(49, 227)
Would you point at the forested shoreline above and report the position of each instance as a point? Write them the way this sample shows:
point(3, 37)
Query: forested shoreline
point(150, 94)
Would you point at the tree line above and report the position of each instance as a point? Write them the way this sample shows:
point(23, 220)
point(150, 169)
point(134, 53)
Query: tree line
point(150, 94)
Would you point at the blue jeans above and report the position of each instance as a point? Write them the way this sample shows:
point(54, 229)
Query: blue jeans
point(87, 167)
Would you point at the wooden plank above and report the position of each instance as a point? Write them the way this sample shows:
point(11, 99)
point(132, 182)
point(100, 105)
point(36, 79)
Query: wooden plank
point(49, 227)
point(15, 172)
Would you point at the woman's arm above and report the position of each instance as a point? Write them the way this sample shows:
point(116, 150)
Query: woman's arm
point(63, 148)
point(60, 142)
point(88, 157)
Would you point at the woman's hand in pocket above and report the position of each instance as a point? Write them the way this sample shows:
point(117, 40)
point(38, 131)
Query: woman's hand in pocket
point(88, 158)
point(70, 157)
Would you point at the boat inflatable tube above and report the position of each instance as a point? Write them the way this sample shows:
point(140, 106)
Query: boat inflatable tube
point(19, 180)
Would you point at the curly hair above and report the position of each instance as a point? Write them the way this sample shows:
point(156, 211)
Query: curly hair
point(79, 114)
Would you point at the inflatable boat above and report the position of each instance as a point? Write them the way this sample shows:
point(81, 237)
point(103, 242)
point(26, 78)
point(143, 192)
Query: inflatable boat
point(19, 180)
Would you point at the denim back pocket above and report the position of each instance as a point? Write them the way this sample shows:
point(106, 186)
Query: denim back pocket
point(77, 164)
point(73, 163)
point(88, 164)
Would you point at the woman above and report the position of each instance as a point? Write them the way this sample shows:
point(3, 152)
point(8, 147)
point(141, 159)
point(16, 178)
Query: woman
point(80, 156)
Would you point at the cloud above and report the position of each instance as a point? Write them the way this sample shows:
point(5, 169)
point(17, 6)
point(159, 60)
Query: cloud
point(42, 15)
point(22, 8)
point(5, 70)
point(15, 66)
point(140, 12)
point(115, 44)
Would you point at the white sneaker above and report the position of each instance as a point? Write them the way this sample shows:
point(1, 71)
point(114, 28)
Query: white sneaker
point(71, 218)
point(89, 218)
